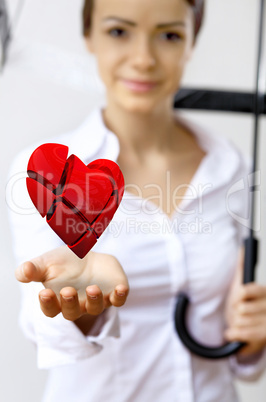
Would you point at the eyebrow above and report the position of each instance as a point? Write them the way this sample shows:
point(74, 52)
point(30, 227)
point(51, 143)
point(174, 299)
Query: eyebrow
point(133, 24)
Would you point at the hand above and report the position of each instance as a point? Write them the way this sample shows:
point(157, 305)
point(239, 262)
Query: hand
point(74, 286)
point(247, 321)
point(246, 313)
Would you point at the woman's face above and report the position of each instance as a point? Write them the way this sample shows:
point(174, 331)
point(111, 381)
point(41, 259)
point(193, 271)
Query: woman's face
point(141, 41)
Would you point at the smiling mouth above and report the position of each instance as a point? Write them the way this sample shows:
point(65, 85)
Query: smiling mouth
point(140, 86)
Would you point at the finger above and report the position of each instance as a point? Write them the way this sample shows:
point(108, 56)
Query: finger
point(49, 303)
point(70, 303)
point(251, 291)
point(31, 271)
point(248, 321)
point(247, 334)
point(119, 295)
point(252, 307)
point(94, 303)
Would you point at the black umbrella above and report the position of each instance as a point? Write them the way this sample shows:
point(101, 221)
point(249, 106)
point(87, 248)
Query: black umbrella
point(235, 102)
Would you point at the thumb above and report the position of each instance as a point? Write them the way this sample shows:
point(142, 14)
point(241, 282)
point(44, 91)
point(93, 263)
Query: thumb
point(29, 271)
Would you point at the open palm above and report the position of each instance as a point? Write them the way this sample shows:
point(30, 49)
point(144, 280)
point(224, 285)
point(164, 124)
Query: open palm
point(74, 286)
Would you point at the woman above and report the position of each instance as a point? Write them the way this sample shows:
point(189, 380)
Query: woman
point(173, 231)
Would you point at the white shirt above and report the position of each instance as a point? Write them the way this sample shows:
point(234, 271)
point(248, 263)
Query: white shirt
point(138, 356)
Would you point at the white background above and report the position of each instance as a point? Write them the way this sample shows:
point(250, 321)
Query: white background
point(50, 84)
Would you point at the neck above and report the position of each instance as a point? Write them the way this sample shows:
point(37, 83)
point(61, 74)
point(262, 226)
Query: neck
point(139, 131)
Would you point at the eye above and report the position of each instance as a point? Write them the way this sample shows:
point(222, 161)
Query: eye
point(172, 36)
point(116, 32)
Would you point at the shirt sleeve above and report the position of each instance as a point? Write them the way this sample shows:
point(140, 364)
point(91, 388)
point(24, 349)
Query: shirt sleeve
point(248, 368)
point(252, 367)
point(58, 341)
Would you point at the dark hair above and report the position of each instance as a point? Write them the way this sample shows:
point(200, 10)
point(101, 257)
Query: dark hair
point(197, 5)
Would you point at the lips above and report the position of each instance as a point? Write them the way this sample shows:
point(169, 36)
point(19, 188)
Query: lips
point(139, 86)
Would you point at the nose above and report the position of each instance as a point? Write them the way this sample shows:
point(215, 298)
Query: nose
point(143, 55)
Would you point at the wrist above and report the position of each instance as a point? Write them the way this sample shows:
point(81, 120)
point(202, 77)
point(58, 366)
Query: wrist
point(249, 354)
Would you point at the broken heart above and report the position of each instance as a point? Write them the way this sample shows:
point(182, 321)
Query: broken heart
point(78, 201)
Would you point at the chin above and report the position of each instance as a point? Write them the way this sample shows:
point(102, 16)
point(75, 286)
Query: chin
point(142, 106)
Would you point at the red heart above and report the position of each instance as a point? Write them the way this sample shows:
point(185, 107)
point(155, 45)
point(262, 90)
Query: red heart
point(78, 201)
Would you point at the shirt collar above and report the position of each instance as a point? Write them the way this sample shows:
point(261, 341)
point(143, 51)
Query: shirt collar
point(86, 140)
point(222, 164)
